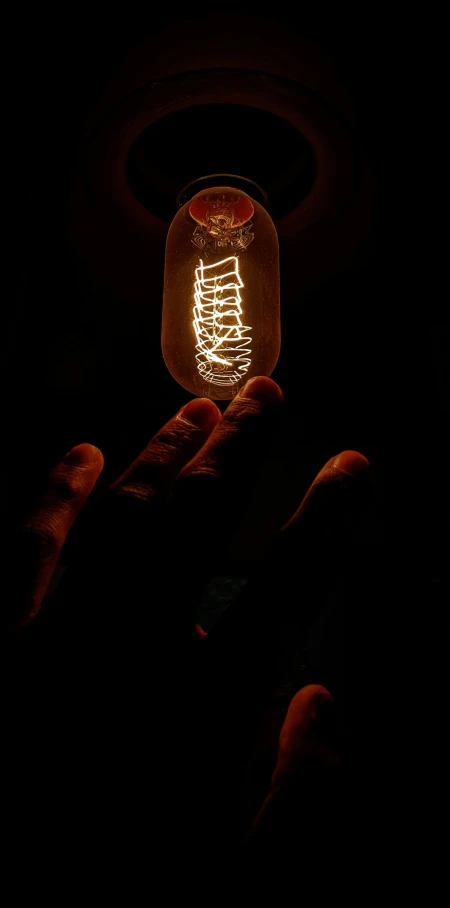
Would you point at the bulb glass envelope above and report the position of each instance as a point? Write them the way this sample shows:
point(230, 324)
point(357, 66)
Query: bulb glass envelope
point(221, 307)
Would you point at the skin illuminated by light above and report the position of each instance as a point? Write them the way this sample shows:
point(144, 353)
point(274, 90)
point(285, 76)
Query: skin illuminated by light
point(223, 352)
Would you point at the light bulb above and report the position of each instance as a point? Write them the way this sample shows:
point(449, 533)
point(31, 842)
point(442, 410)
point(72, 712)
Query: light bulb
point(221, 307)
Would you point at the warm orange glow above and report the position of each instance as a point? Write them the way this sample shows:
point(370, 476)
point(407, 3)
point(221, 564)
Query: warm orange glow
point(223, 354)
point(221, 312)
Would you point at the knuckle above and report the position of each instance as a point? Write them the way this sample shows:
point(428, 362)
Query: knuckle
point(241, 411)
point(168, 441)
point(68, 485)
point(131, 492)
point(41, 538)
point(205, 474)
point(161, 451)
point(152, 473)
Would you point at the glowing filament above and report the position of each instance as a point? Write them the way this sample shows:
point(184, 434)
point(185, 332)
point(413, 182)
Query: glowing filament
point(223, 354)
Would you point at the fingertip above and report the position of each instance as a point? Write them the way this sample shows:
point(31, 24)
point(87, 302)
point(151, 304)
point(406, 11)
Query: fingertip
point(200, 633)
point(312, 702)
point(352, 463)
point(201, 413)
point(263, 389)
point(306, 728)
point(85, 455)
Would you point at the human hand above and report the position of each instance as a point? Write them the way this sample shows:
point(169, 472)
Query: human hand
point(126, 612)
point(160, 508)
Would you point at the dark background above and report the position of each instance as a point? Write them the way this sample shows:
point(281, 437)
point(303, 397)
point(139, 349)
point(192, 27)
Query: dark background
point(369, 370)
point(362, 362)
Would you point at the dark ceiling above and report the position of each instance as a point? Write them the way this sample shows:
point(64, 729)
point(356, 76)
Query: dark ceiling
point(157, 172)
point(84, 355)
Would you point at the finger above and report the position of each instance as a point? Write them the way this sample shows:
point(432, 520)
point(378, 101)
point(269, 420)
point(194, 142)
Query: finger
point(121, 561)
point(310, 546)
point(37, 542)
point(325, 523)
point(119, 522)
point(308, 733)
point(124, 527)
point(323, 533)
point(212, 491)
point(152, 474)
point(256, 640)
point(307, 743)
point(328, 509)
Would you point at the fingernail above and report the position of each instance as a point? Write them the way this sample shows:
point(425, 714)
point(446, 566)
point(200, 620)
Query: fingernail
point(349, 462)
point(262, 389)
point(83, 455)
point(201, 412)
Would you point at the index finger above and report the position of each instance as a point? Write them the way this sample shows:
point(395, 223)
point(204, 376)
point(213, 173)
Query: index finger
point(211, 492)
point(153, 472)
point(121, 554)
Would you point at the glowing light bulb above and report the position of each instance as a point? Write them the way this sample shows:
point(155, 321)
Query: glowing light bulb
point(221, 308)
